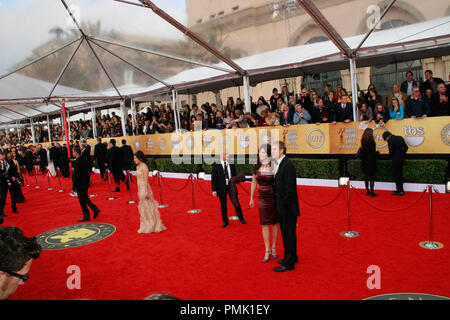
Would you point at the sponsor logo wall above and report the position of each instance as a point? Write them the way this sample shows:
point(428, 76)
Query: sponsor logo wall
point(429, 136)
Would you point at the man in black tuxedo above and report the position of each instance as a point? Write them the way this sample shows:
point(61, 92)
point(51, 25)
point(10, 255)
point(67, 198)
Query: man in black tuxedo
point(65, 169)
point(29, 159)
point(43, 161)
point(114, 156)
point(127, 154)
point(3, 183)
point(286, 202)
point(51, 153)
point(81, 178)
point(56, 156)
point(220, 182)
point(100, 150)
point(397, 151)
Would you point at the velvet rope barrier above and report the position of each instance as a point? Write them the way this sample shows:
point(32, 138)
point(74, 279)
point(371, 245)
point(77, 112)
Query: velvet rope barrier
point(390, 210)
point(324, 204)
point(175, 190)
point(35, 177)
point(24, 176)
point(201, 188)
point(58, 175)
point(48, 174)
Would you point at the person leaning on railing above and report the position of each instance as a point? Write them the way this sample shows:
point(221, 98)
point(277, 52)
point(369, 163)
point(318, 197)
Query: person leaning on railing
point(396, 110)
point(416, 106)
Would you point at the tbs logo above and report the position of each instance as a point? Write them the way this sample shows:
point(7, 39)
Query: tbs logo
point(414, 136)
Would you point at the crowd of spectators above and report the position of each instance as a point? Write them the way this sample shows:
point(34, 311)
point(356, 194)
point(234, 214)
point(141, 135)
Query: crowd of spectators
point(410, 99)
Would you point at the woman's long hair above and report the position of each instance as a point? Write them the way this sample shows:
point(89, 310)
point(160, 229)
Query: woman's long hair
point(268, 148)
point(392, 104)
point(367, 136)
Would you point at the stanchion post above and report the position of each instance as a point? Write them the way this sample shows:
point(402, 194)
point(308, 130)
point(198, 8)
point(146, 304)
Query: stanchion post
point(161, 205)
point(35, 177)
point(58, 174)
point(193, 211)
point(24, 176)
point(48, 180)
point(349, 233)
point(109, 186)
point(431, 244)
point(92, 195)
point(131, 192)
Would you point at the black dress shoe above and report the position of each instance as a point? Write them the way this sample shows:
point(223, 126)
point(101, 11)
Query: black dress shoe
point(281, 261)
point(3, 215)
point(283, 268)
point(243, 221)
point(15, 210)
point(224, 225)
point(373, 194)
point(82, 220)
point(398, 193)
point(96, 212)
point(116, 190)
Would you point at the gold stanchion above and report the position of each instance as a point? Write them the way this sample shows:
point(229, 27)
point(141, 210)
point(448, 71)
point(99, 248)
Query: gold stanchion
point(160, 192)
point(109, 186)
point(349, 233)
point(193, 211)
point(431, 244)
point(131, 201)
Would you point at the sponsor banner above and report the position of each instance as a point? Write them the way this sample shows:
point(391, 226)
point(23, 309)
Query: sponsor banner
point(429, 135)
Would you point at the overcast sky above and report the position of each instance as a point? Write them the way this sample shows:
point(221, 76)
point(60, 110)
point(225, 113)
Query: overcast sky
point(25, 24)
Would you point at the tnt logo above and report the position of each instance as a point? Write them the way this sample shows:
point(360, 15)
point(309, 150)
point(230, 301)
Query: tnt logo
point(315, 138)
point(414, 136)
point(378, 136)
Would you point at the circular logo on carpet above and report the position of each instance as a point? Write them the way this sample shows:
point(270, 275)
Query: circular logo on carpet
point(75, 235)
point(407, 296)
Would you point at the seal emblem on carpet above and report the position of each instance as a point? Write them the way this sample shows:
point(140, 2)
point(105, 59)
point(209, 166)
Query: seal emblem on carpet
point(75, 235)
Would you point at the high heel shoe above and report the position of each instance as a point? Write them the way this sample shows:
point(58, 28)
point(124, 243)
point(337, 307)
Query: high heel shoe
point(266, 259)
point(274, 256)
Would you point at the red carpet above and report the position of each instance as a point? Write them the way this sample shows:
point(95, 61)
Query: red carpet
point(196, 259)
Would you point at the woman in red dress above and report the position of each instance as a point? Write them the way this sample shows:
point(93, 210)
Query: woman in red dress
point(263, 177)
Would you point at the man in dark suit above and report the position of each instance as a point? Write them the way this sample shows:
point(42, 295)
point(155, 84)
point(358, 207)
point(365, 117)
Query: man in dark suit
point(29, 159)
point(343, 111)
point(397, 150)
point(220, 182)
point(114, 161)
point(51, 153)
point(127, 154)
point(286, 201)
point(3, 183)
point(430, 82)
point(100, 150)
point(81, 178)
point(43, 161)
point(86, 152)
